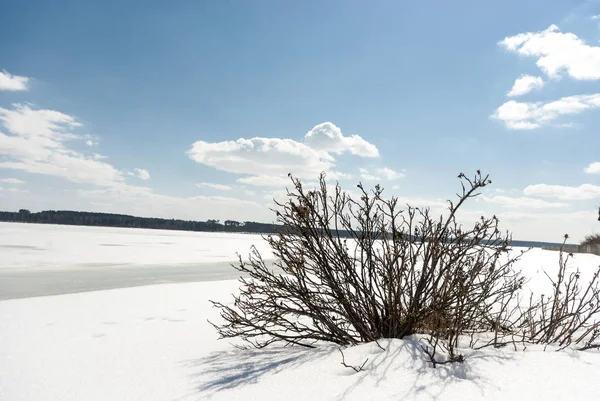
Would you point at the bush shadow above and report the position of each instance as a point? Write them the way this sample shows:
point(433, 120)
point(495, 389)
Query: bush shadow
point(223, 370)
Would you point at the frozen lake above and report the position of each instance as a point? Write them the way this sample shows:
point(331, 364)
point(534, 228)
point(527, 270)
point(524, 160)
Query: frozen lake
point(38, 259)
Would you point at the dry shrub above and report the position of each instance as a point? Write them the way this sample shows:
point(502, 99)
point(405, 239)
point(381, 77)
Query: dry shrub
point(357, 270)
point(592, 239)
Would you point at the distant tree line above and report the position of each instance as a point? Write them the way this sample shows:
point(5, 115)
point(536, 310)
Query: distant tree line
point(68, 217)
point(74, 218)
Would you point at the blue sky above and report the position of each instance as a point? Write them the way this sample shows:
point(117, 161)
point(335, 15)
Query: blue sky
point(197, 109)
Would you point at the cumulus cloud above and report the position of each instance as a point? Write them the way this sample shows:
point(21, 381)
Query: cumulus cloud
point(9, 82)
point(522, 202)
point(262, 156)
point(276, 157)
point(380, 174)
point(328, 137)
point(525, 84)
point(15, 181)
point(523, 115)
point(37, 142)
point(593, 168)
point(219, 187)
point(557, 53)
point(582, 192)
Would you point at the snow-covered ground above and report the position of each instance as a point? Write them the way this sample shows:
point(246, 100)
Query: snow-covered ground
point(38, 260)
point(154, 342)
point(44, 246)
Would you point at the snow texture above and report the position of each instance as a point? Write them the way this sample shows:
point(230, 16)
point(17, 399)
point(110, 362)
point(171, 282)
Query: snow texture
point(154, 342)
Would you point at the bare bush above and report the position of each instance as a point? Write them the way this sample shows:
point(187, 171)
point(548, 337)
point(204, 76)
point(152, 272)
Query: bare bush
point(568, 316)
point(356, 270)
point(592, 239)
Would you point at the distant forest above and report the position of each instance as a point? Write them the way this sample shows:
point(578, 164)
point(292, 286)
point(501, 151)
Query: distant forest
point(68, 217)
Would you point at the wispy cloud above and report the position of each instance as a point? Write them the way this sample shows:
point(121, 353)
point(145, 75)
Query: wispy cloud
point(14, 181)
point(266, 181)
point(582, 192)
point(37, 142)
point(140, 173)
point(521, 202)
point(219, 187)
point(522, 115)
point(525, 84)
point(9, 82)
point(379, 174)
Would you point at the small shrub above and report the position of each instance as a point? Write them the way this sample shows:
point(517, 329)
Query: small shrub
point(400, 272)
point(356, 270)
point(568, 316)
point(592, 239)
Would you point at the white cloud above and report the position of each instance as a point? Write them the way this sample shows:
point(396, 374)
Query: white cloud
point(595, 17)
point(14, 190)
point(262, 156)
point(284, 181)
point(12, 181)
point(337, 175)
point(277, 157)
point(40, 123)
point(9, 82)
point(521, 115)
point(593, 168)
point(89, 142)
point(328, 137)
point(37, 143)
point(525, 84)
point(389, 174)
point(266, 181)
point(17, 190)
point(582, 192)
point(380, 174)
point(521, 203)
point(140, 173)
point(557, 53)
point(366, 176)
point(219, 187)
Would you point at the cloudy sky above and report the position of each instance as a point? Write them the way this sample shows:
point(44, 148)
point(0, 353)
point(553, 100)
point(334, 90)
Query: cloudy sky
point(199, 109)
